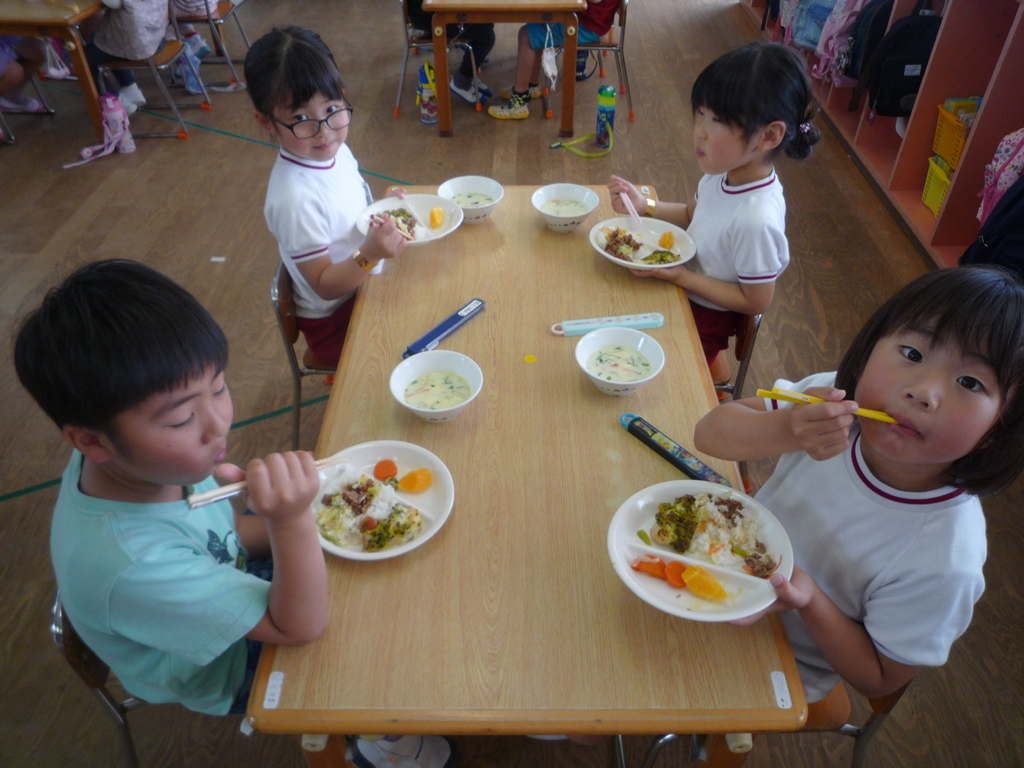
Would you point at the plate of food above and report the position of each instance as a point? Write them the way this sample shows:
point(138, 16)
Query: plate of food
point(420, 218)
point(660, 244)
point(698, 550)
point(387, 499)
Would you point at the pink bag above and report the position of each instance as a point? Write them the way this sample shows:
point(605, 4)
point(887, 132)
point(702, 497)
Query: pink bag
point(1006, 167)
point(835, 43)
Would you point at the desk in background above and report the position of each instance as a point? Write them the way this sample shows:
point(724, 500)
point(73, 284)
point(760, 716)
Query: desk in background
point(511, 620)
point(44, 19)
point(499, 11)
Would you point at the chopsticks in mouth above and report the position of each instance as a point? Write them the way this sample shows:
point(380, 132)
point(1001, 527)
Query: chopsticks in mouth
point(789, 396)
point(197, 500)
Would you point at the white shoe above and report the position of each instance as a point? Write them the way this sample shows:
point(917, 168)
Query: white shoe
point(133, 94)
point(130, 107)
point(404, 752)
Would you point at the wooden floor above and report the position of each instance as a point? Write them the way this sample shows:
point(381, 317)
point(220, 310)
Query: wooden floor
point(177, 204)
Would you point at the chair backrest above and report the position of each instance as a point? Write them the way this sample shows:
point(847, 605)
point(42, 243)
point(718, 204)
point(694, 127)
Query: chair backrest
point(617, 32)
point(87, 665)
point(745, 336)
point(284, 303)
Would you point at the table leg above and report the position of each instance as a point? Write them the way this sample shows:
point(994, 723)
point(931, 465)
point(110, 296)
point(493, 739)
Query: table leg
point(568, 74)
point(76, 49)
point(444, 97)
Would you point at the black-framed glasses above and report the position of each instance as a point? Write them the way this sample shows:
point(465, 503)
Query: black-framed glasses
point(307, 129)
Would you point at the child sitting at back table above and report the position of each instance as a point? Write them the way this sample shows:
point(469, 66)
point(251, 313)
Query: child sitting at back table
point(748, 106)
point(315, 192)
point(594, 23)
point(131, 369)
point(888, 534)
point(479, 37)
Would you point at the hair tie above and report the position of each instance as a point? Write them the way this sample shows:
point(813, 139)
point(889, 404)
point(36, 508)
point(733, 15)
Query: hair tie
point(804, 127)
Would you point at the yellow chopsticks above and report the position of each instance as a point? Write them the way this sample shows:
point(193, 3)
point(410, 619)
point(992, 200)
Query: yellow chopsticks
point(799, 397)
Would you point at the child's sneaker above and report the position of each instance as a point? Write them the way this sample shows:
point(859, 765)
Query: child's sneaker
point(130, 107)
point(469, 93)
point(404, 752)
point(506, 92)
point(518, 108)
point(21, 103)
point(197, 46)
point(133, 94)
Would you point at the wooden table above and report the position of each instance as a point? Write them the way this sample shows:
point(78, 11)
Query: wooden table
point(498, 11)
point(38, 18)
point(511, 619)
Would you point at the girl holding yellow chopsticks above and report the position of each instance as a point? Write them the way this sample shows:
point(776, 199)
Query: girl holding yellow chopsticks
point(887, 530)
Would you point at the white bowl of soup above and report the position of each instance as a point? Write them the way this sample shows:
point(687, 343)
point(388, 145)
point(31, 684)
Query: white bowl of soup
point(475, 195)
point(564, 206)
point(436, 385)
point(619, 360)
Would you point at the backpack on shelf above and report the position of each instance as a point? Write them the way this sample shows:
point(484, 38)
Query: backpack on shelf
point(1001, 239)
point(897, 67)
point(1002, 173)
point(868, 30)
point(808, 21)
point(836, 39)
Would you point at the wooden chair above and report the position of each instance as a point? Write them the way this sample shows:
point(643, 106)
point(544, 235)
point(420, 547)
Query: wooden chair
point(284, 309)
point(613, 42)
point(746, 335)
point(161, 60)
point(414, 42)
point(214, 19)
point(830, 714)
point(96, 674)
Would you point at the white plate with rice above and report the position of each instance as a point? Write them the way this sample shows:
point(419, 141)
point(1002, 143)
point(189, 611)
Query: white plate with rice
point(434, 504)
point(746, 594)
point(419, 206)
point(682, 250)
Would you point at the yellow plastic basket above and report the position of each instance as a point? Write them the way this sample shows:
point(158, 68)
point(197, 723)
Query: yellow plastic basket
point(950, 135)
point(935, 187)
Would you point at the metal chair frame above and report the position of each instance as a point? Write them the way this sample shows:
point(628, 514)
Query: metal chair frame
point(7, 133)
point(162, 59)
point(284, 310)
point(413, 43)
point(226, 9)
point(96, 674)
point(836, 704)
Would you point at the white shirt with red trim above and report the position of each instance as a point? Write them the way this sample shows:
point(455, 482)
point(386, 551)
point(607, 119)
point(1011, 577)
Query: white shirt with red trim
point(740, 232)
point(311, 209)
point(908, 566)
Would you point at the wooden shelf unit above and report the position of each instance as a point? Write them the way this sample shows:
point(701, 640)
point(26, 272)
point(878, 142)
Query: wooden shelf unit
point(979, 52)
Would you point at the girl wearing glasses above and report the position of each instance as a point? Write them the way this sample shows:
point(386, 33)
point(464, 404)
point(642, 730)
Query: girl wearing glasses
point(315, 192)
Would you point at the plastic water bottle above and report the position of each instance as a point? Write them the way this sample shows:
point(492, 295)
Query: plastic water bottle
point(426, 95)
point(605, 115)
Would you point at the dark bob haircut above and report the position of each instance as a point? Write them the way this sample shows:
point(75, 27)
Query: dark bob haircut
point(112, 334)
point(980, 310)
point(287, 67)
point(758, 84)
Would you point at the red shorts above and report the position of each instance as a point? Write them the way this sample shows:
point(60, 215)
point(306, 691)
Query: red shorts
point(325, 336)
point(714, 326)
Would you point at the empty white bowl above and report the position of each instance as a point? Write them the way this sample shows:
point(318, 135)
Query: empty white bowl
point(428, 362)
point(568, 221)
point(473, 213)
point(626, 337)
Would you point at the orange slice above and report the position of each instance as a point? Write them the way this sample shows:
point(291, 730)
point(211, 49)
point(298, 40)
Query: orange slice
point(674, 573)
point(667, 239)
point(417, 480)
point(703, 584)
point(384, 469)
point(436, 217)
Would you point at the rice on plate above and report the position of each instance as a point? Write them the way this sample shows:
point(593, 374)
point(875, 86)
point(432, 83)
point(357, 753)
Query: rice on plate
point(357, 511)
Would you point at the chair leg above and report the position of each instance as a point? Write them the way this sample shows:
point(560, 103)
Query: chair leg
point(655, 749)
point(202, 86)
point(718, 754)
point(296, 410)
point(241, 30)
point(5, 130)
point(235, 84)
point(42, 99)
point(170, 102)
point(620, 63)
point(620, 751)
point(401, 80)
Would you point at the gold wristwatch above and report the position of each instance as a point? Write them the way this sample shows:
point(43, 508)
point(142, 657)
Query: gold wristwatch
point(652, 204)
point(363, 262)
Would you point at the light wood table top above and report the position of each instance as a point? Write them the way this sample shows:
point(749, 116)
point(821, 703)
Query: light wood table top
point(511, 620)
point(45, 19)
point(501, 11)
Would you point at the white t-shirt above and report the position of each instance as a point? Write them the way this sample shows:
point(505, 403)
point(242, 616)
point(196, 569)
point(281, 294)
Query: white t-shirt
point(740, 232)
point(908, 566)
point(311, 209)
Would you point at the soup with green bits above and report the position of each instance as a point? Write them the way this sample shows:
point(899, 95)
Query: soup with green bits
point(437, 390)
point(565, 207)
point(618, 363)
point(472, 199)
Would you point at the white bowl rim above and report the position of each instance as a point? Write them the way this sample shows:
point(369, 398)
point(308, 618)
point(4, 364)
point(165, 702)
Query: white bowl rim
point(587, 195)
point(638, 334)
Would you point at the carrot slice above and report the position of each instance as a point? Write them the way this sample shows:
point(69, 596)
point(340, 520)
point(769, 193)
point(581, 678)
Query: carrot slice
point(649, 564)
point(384, 469)
point(674, 573)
